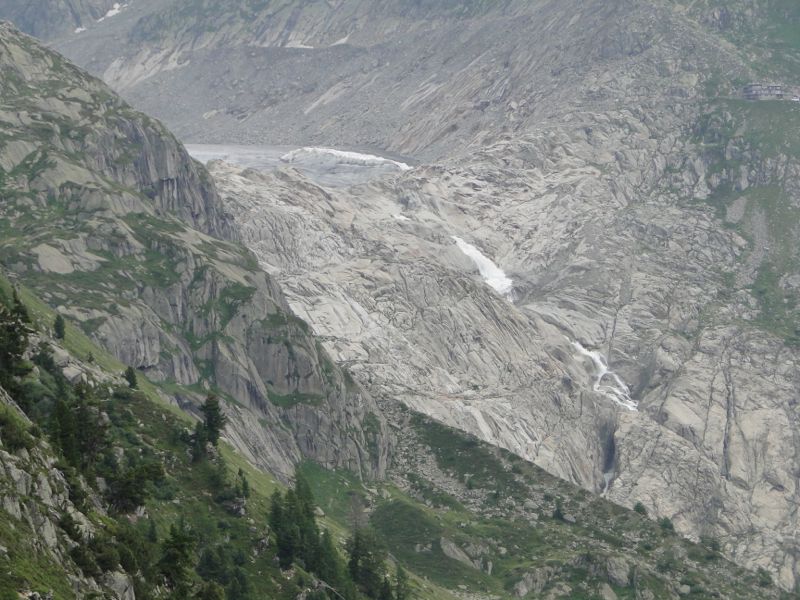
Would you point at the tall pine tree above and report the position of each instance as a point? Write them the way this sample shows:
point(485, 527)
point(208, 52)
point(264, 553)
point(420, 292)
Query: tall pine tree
point(213, 419)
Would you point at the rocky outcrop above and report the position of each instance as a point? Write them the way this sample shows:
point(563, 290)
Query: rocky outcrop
point(623, 296)
point(35, 497)
point(127, 244)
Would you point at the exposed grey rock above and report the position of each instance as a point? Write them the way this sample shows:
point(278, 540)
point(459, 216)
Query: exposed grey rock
point(533, 582)
point(618, 571)
point(451, 550)
point(121, 585)
point(189, 305)
point(54, 18)
point(606, 593)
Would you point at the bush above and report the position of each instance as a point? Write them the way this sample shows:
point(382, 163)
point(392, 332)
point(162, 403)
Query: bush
point(84, 558)
point(131, 378)
point(666, 524)
point(558, 512)
point(668, 562)
point(640, 508)
point(59, 327)
point(70, 527)
point(13, 431)
point(105, 553)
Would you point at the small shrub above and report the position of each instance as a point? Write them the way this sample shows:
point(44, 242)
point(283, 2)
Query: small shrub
point(640, 508)
point(711, 543)
point(70, 527)
point(84, 558)
point(666, 524)
point(558, 512)
point(105, 553)
point(59, 328)
point(668, 562)
point(131, 378)
point(13, 431)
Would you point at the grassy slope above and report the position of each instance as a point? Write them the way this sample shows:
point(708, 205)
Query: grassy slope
point(414, 521)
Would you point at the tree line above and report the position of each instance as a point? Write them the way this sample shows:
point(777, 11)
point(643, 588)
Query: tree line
point(179, 562)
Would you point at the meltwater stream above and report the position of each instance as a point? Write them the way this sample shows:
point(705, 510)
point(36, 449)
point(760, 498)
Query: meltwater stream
point(493, 275)
point(607, 382)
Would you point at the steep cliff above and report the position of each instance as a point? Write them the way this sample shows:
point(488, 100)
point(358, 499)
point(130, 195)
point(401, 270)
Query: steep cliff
point(107, 217)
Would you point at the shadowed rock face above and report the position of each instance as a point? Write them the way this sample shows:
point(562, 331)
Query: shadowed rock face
point(598, 154)
point(106, 216)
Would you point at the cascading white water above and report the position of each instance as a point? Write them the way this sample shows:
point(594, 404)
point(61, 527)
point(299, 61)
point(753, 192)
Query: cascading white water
point(607, 382)
point(493, 275)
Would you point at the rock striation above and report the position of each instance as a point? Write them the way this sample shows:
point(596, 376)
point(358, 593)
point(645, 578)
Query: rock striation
point(598, 154)
point(108, 218)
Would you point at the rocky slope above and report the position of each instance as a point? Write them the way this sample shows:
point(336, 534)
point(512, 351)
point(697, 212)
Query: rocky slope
point(458, 514)
point(35, 496)
point(599, 153)
point(106, 216)
point(48, 19)
point(641, 210)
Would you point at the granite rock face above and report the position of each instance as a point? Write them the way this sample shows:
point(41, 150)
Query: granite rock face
point(630, 286)
point(598, 154)
point(108, 219)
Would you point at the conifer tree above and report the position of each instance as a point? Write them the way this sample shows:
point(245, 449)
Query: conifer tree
point(131, 378)
point(59, 327)
point(199, 439)
point(214, 419)
point(152, 532)
point(64, 431)
point(367, 566)
point(210, 591)
point(13, 343)
point(19, 310)
point(176, 558)
point(386, 590)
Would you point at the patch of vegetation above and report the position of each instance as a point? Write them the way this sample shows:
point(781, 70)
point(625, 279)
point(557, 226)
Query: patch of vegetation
point(473, 462)
point(293, 399)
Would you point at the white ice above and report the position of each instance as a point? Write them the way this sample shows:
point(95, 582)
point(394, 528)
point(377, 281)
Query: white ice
point(80, 30)
point(494, 276)
point(114, 11)
point(607, 382)
point(343, 157)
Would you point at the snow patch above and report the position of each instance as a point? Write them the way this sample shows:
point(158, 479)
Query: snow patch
point(606, 381)
point(80, 30)
point(342, 157)
point(299, 46)
point(494, 276)
point(113, 11)
point(342, 41)
point(401, 217)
